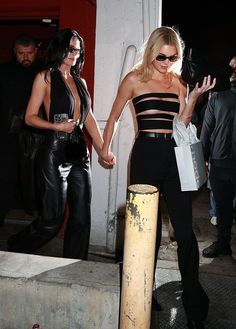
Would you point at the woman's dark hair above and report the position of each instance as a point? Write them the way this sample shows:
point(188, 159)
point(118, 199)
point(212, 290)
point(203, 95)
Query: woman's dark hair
point(58, 49)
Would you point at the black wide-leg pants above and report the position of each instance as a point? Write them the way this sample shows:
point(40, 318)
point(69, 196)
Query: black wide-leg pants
point(153, 162)
point(60, 180)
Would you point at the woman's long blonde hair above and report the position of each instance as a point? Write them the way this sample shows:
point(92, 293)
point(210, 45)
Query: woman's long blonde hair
point(161, 36)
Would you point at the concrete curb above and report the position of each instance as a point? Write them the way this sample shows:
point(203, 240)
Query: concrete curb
point(57, 293)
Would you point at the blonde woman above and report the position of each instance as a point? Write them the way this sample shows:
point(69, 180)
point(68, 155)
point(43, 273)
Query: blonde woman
point(158, 94)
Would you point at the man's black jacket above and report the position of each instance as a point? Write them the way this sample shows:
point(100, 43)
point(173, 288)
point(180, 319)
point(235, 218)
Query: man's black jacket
point(15, 89)
point(218, 134)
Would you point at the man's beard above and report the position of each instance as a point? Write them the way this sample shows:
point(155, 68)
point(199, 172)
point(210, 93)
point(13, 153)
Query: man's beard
point(26, 63)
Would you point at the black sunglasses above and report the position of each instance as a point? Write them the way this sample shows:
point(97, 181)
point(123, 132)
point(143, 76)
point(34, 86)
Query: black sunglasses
point(162, 58)
point(74, 50)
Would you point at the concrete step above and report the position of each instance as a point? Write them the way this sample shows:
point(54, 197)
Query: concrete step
point(57, 293)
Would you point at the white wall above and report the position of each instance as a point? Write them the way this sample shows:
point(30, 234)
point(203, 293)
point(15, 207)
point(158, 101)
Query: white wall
point(121, 28)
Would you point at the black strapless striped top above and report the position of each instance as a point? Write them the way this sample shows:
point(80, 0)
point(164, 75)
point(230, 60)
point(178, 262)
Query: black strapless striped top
point(161, 102)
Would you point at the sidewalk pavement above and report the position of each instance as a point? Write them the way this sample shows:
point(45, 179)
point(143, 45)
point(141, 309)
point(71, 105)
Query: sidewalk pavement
point(218, 276)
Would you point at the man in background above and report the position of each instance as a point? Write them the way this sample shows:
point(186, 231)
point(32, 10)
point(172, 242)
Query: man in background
point(212, 211)
point(18, 143)
point(218, 136)
point(232, 63)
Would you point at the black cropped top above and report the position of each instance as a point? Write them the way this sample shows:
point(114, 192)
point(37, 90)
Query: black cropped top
point(163, 102)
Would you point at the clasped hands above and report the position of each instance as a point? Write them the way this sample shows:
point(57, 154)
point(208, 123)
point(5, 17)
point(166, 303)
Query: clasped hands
point(108, 158)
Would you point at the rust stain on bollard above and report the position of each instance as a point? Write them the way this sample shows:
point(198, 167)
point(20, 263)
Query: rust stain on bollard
point(139, 254)
point(135, 220)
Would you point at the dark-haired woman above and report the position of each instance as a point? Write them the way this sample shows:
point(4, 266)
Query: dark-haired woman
point(63, 160)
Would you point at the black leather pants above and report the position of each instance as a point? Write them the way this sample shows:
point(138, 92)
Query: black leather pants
point(61, 179)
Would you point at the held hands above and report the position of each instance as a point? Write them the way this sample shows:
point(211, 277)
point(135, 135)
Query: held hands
point(108, 158)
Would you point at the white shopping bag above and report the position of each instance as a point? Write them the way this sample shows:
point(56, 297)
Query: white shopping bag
point(191, 166)
point(189, 156)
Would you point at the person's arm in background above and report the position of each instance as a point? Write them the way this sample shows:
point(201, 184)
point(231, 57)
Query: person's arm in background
point(208, 127)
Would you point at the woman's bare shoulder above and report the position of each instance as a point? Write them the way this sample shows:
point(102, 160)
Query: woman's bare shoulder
point(131, 80)
point(181, 88)
point(179, 84)
point(132, 76)
point(42, 77)
point(41, 82)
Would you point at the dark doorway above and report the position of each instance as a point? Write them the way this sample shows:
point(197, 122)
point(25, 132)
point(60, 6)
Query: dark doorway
point(207, 25)
point(40, 29)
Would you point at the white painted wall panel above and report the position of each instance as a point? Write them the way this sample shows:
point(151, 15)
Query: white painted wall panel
point(121, 28)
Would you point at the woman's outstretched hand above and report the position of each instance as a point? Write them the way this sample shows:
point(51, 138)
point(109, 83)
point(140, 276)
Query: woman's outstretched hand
point(185, 115)
point(206, 85)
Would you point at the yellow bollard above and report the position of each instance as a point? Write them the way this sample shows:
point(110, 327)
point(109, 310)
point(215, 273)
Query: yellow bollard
point(139, 253)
